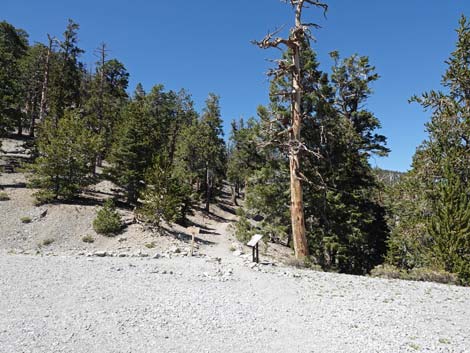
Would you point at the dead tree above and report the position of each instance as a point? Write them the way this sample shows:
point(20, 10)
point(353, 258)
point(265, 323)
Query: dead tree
point(101, 52)
point(299, 34)
point(45, 83)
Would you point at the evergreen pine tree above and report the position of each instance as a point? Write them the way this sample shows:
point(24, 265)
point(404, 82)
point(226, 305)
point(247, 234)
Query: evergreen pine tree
point(66, 153)
point(133, 150)
point(435, 220)
point(200, 152)
point(449, 227)
point(13, 47)
point(66, 73)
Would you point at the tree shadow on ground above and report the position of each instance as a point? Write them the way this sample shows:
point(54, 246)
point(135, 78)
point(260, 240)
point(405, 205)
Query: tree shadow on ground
point(212, 216)
point(84, 200)
point(203, 228)
point(225, 207)
point(13, 186)
point(22, 137)
point(185, 237)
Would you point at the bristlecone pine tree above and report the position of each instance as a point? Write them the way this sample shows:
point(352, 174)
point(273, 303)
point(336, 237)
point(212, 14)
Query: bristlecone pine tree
point(298, 36)
point(13, 46)
point(449, 226)
point(435, 222)
point(200, 155)
point(66, 154)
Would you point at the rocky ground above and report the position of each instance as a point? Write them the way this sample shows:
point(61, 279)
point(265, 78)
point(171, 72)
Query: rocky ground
point(79, 304)
point(141, 291)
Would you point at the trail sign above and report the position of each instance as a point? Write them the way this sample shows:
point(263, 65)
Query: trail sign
point(254, 245)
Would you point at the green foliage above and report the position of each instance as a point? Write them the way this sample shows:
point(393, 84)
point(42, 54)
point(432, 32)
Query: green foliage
point(243, 228)
point(42, 196)
point(150, 125)
point(25, 219)
point(268, 197)
point(48, 241)
point(13, 47)
point(409, 241)
point(243, 154)
point(66, 154)
point(150, 245)
point(32, 81)
point(4, 196)
point(133, 150)
point(66, 73)
point(88, 239)
point(200, 155)
point(104, 97)
point(166, 197)
point(388, 271)
point(264, 175)
point(345, 219)
point(108, 220)
point(449, 227)
point(430, 206)
point(416, 274)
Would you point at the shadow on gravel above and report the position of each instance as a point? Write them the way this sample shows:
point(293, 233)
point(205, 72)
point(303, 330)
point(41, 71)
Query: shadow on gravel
point(217, 218)
point(225, 207)
point(187, 237)
point(212, 216)
point(203, 228)
point(22, 137)
point(13, 186)
point(91, 201)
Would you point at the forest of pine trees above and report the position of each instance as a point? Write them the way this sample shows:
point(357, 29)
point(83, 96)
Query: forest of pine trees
point(166, 158)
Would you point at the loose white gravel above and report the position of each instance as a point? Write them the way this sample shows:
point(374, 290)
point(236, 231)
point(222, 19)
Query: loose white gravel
point(79, 304)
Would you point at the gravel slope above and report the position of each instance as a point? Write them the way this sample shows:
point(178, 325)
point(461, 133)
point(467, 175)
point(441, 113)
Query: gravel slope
point(80, 304)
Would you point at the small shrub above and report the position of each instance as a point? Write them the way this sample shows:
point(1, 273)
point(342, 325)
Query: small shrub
point(48, 241)
point(26, 219)
point(232, 248)
point(150, 245)
point(388, 271)
point(416, 274)
point(42, 197)
point(310, 264)
point(293, 262)
point(88, 239)
point(415, 346)
point(243, 228)
point(107, 221)
point(428, 275)
point(4, 196)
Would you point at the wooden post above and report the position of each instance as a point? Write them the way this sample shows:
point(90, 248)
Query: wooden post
point(194, 231)
point(254, 245)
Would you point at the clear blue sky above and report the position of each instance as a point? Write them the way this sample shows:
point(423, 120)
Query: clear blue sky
point(204, 46)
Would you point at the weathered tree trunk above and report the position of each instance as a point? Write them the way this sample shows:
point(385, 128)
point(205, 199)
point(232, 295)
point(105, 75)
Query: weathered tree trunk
point(208, 189)
point(45, 83)
point(33, 115)
point(297, 37)
point(101, 123)
point(171, 153)
point(20, 126)
point(296, 192)
point(245, 189)
point(234, 195)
